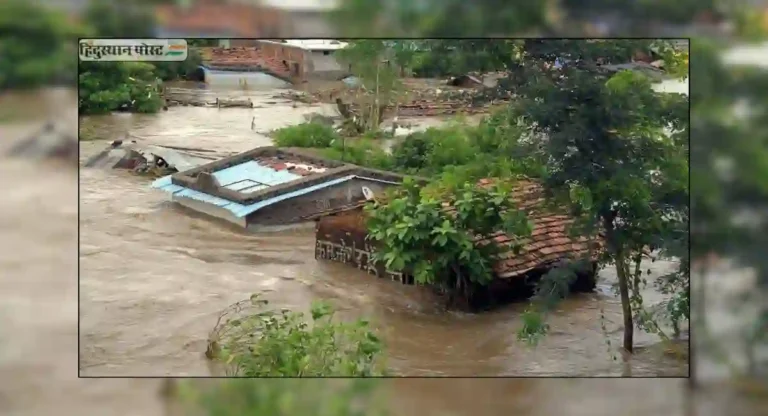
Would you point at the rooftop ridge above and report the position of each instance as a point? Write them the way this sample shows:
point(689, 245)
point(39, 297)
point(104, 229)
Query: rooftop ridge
point(199, 178)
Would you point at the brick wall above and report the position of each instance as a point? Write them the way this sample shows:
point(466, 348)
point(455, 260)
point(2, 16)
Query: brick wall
point(297, 58)
point(295, 209)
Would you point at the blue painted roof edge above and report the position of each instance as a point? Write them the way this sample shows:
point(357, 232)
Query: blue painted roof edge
point(162, 182)
point(299, 192)
point(241, 211)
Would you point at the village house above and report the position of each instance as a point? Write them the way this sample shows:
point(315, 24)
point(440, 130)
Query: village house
point(269, 186)
point(341, 236)
point(296, 61)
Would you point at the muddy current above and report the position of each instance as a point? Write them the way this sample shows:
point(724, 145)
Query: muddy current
point(154, 276)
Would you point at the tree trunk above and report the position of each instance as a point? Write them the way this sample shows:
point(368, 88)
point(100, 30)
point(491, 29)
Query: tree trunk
point(626, 307)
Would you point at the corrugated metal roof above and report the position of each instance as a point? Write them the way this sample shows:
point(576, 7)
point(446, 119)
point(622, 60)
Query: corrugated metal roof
point(239, 210)
point(254, 173)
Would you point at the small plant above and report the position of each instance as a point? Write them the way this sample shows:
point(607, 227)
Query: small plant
point(261, 342)
point(306, 135)
point(283, 397)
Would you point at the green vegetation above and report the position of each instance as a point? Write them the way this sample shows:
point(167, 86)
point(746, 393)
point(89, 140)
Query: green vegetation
point(255, 341)
point(729, 156)
point(111, 86)
point(371, 61)
point(325, 141)
point(416, 234)
point(120, 19)
point(306, 135)
point(622, 171)
point(578, 131)
point(35, 48)
point(283, 397)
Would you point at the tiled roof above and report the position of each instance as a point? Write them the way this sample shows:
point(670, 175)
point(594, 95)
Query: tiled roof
point(548, 243)
point(244, 57)
point(241, 19)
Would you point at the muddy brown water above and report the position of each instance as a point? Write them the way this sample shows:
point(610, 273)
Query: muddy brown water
point(154, 277)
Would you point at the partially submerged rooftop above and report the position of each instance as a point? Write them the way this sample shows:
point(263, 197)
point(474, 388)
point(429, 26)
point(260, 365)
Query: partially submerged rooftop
point(247, 182)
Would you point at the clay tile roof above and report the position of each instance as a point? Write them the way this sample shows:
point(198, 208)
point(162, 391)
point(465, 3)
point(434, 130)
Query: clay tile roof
point(549, 242)
point(241, 19)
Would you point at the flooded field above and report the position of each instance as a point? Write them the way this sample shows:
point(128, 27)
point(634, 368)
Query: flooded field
point(154, 277)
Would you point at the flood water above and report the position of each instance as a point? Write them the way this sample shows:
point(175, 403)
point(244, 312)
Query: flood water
point(154, 277)
point(39, 304)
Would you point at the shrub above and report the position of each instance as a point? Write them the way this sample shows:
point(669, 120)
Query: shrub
point(414, 233)
point(111, 86)
point(306, 135)
point(283, 397)
point(261, 342)
point(431, 151)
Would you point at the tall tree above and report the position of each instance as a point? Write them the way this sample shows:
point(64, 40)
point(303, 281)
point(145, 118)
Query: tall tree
point(615, 150)
point(35, 46)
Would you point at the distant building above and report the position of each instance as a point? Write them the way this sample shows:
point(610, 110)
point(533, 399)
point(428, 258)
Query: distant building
point(321, 54)
point(294, 60)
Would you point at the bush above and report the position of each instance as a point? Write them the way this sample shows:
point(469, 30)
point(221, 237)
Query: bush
point(413, 233)
point(283, 397)
point(431, 151)
point(261, 342)
point(36, 46)
point(174, 70)
point(362, 152)
point(306, 135)
point(111, 86)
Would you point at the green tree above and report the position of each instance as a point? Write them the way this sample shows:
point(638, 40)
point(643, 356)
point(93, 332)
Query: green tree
point(35, 46)
point(729, 165)
point(112, 86)
point(444, 18)
point(175, 70)
point(120, 19)
point(255, 341)
point(452, 57)
point(283, 397)
point(372, 61)
point(616, 152)
point(414, 233)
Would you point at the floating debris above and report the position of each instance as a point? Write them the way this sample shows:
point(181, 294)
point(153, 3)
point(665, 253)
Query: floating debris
point(146, 159)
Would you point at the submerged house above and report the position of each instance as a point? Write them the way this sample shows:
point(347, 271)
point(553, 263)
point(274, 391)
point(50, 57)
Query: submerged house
point(341, 236)
point(270, 186)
